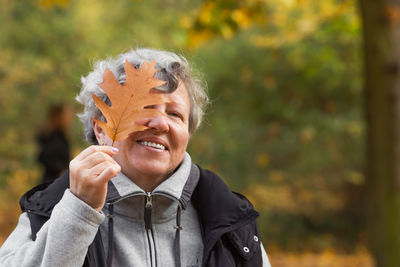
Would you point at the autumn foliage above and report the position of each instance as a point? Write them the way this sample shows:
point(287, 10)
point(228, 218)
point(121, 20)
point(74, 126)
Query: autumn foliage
point(286, 127)
point(129, 100)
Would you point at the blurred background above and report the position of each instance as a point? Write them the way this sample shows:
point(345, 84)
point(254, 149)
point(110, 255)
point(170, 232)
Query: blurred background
point(286, 127)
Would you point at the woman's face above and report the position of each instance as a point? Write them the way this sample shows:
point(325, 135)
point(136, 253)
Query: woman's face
point(156, 152)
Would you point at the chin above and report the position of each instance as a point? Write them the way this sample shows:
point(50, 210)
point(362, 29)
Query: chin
point(153, 167)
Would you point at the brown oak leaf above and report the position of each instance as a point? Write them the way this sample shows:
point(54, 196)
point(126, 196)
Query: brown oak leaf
point(128, 100)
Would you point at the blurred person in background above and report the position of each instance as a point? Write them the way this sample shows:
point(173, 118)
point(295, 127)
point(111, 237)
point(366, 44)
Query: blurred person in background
point(54, 149)
point(142, 201)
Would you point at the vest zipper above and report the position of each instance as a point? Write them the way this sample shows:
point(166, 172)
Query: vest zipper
point(149, 229)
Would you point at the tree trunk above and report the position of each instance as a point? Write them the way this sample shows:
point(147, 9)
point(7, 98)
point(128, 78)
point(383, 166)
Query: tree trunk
point(381, 31)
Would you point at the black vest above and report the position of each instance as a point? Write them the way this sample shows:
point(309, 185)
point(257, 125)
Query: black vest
point(228, 221)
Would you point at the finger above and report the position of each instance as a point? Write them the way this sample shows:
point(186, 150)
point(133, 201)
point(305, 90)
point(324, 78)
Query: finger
point(112, 151)
point(109, 172)
point(96, 158)
point(99, 168)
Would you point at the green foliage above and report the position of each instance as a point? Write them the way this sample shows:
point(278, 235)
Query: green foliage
point(285, 127)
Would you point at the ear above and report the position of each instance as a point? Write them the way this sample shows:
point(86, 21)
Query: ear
point(100, 134)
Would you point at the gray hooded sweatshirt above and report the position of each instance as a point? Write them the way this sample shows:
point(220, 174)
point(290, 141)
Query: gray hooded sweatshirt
point(64, 239)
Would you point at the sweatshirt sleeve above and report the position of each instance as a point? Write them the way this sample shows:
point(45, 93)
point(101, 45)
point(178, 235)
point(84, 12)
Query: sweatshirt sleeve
point(62, 241)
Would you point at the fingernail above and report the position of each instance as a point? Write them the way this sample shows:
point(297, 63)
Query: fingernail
point(114, 149)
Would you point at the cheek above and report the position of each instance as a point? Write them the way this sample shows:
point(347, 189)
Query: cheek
point(182, 141)
point(124, 147)
point(121, 145)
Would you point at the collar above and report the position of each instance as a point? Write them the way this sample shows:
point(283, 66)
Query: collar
point(177, 187)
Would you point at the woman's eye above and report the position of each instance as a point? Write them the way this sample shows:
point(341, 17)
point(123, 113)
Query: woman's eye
point(175, 114)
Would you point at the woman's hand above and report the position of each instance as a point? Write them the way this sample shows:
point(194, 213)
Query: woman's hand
point(90, 172)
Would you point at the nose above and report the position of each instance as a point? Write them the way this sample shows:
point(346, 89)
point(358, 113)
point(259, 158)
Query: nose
point(158, 123)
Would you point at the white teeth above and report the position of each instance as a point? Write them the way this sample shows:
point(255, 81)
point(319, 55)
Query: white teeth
point(151, 144)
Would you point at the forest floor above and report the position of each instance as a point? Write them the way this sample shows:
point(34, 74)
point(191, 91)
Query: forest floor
point(328, 258)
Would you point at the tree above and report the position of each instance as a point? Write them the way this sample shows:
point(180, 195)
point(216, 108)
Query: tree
point(381, 32)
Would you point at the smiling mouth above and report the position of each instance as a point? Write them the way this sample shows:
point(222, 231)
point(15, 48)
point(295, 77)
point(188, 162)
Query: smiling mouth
point(152, 144)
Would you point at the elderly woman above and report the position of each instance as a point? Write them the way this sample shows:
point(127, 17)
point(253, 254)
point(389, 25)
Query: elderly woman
point(139, 201)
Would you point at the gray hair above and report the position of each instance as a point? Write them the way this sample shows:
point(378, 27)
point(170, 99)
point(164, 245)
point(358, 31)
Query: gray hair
point(171, 67)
